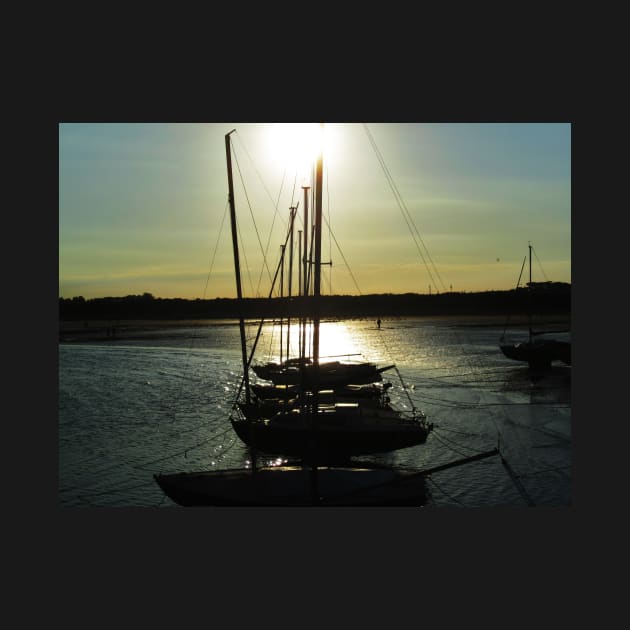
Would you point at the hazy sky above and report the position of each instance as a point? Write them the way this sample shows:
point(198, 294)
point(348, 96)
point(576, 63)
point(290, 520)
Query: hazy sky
point(142, 207)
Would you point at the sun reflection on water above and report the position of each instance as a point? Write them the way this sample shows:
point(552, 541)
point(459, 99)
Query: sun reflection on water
point(338, 341)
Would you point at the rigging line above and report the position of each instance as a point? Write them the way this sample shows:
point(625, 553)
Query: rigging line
point(113, 486)
point(484, 372)
point(481, 392)
point(440, 439)
point(183, 451)
point(517, 482)
point(544, 470)
point(275, 214)
point(216, 247)
point(517, 284)
point(244, 252)
point(218, 458)
point(327, 286)
point(271, 337)
point(275, 204)
point(470, 448)
point(114, 490)
point(556, 405)
point(141, 466)
point(332, 234)
point(404, 209)
point(249, 205)
point(401, 208)
point(196, 428)
point(540, 265)
point(260, 177)
point(442, 428)
point(264, 253)
point(328, 224)
point(405, 389)
point(446, 494)
point(410, 222)
point(441, 403)
point(200, 444)
point(293, 191)
point(192, 340)
point(258, 334)
point(417, 246)
point(402, 382)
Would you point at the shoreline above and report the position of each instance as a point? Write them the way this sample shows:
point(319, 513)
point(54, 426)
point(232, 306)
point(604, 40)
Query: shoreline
point(117, 330)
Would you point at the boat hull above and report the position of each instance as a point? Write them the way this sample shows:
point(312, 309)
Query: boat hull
point(540, 353)
point(328, 442)
point(363, 391)
point(293, 486)
point(324, 375)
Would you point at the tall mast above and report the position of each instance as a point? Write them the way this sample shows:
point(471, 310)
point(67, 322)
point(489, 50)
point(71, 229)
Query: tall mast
point(290, 280)
point(282, 248)
point(529, 294)
point(305, 271)
point(317, 236)
point(318, 253)
point(237, 265)
point(299, 239)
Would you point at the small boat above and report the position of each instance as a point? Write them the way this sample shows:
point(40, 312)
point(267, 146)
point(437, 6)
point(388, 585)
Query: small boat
point(361, 485)
point(328, 374)
point(297, 486)
point(332, 431)
point(537, 351)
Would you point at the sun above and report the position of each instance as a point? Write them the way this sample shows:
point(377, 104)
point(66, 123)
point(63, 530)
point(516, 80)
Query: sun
point(295, 146)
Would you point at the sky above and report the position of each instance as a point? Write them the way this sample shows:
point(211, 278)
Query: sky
point(408, 207)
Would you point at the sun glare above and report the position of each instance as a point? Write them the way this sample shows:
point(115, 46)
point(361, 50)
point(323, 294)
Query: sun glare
point(295, 146)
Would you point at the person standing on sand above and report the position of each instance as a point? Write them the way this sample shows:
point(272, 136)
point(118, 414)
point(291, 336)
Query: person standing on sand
point(378, 323)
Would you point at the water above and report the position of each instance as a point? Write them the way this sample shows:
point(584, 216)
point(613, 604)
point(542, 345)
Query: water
point(158, 401)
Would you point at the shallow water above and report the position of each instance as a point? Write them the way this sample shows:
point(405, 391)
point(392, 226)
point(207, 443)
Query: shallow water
point(159, 402)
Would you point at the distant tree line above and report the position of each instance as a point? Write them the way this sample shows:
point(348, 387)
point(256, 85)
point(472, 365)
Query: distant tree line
point(544, 298)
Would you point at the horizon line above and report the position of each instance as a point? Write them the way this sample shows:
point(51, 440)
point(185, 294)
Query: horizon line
point(432, 294)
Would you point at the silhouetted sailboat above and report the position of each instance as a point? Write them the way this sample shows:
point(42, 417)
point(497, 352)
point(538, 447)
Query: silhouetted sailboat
point(538, 352)
point(322, 421)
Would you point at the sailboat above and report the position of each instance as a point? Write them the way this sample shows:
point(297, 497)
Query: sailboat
point(334, 409)
point(538, 352)
point(317, 431)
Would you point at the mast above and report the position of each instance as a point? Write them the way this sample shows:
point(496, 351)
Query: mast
point(318, 255)
point(305, 271)
point(237, 265)
point(316, 316)
point(529, 293)
point(300, 355)
point(290, 280)
point(282, 248)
